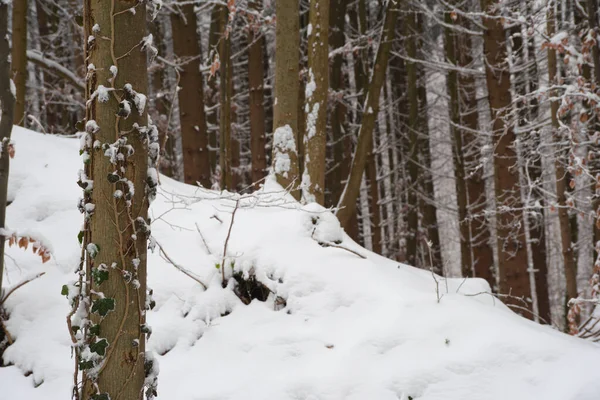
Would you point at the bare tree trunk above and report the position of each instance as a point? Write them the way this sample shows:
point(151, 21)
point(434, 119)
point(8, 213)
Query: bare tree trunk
point(340, 134)
point(412, 236)
point(317, 89)
point(115, 239)
point(512, 248)
point(225, 154)
point(212, 95)
point(194, 136)
point(285, 115)
point(7, 104)
point(347, 203)
point(482, 255)
point(256, 82)
point(19, 57)
point(561, 175)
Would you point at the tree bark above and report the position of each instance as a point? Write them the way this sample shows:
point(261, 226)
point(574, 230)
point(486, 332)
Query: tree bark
point(19, 57)
point(7, 104)
point(194, 135)
point(512, 249)
point(561, 174)
point(226, 90)
point(212, 94)
point(317, 89)
point(114, 240)
point(347, 203)
point(285, 114)
point(256, 72)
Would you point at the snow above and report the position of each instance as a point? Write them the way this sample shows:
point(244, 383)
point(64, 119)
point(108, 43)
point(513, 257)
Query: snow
point(283, 142)
point(351, 328)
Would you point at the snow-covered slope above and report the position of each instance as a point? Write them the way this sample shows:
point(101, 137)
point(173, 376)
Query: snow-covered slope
point(351, 328)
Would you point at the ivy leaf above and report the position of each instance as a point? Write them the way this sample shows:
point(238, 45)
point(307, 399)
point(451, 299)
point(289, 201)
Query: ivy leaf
point(87, 364)
point(101, 396)
point(103, 306)
point(80, 237)
point(99, 275)
point(94, 330)
point(64, 291)
point(113, 178)
point(99, 347)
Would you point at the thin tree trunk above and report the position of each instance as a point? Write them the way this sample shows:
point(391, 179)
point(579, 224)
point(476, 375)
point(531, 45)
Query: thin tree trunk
point(256, 82)
point(194, 135)
point(482, 255)
point(412, 236)
point(226, 88)
point(561, 175)
point(285, 114)
point(19, 57)
point(334, 180)
point(347, 203)
point(212, 96)
point(113, 232)
point(317, 89)
point(7, 104)
point(450, 37)
point(512, 249)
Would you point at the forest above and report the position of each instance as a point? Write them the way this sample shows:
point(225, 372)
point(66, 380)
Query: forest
point(218, 185)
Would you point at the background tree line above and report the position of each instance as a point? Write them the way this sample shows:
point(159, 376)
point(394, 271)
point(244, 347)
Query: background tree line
point(457, 135)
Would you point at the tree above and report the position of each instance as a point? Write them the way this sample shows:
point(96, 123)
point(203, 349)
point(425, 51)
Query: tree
point(347, 203)
point(194, 134)
point(285, 114)
point(256, 82)
point(7, 103)
point(19, 57)
point(121, 150)
point(226, 90)
point(317, 89)
point(512, 248)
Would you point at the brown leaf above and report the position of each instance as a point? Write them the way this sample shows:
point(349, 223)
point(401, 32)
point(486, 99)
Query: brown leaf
point(24, 242)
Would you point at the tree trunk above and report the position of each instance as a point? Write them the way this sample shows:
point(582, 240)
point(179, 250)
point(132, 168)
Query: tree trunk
point(256, 82)
point(317, 89)
point(7, 104)
point(561, 175)
point(115, 238)
point(347, 203)
point(339, 132)
point(212, 94)
point(412, 236)
point(512, 249)
point(194, 135)
point(19, 57)
point(226, 89)
point(482, 255)
point(285, 114)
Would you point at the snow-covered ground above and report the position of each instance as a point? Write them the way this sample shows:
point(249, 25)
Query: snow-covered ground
point(351, 328)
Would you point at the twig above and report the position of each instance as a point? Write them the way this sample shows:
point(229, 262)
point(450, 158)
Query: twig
point(179, 267)
point(337, 246)
point(237, 203)
point(437, 283)
point(202, 237)
point(2, 301)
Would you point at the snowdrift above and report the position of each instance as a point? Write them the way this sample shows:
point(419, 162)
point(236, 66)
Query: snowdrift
point(333, 325)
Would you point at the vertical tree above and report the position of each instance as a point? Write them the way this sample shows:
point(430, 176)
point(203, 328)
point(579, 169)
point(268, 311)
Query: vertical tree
point(194, 135)
point(19, 57)
point(561, 173)
point(121, 150)
point(285, 114)
point(317, 88)
point(256, 82)
point(226, 90)
point(7, 103)
point(512, 249)
point(347, 203)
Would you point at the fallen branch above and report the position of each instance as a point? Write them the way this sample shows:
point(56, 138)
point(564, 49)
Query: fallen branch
point(179, 267)
point(337, 246)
